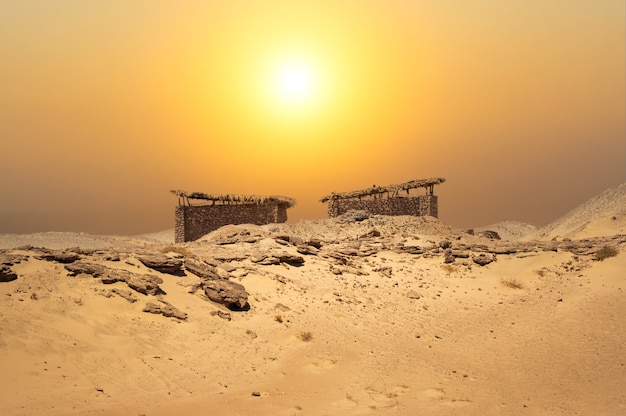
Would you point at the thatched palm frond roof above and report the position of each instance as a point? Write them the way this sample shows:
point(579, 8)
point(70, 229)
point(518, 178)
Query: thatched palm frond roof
point(390, 189)
point(236, 199)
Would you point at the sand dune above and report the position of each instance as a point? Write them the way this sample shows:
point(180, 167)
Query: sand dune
point(390, 315)
point(602, 215)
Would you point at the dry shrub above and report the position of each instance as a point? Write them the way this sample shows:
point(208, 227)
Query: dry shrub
point(604, 253)
point(512, 283)
point(305, 336)
point(177, 249)
point(448, 268)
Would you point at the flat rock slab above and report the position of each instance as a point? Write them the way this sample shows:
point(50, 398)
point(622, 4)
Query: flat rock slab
point(277, 258)
point(161, 263)
point(64, 257)
point(80, 267)
point(146, 284)
point(8, 259)
point(164, 309)
point(204, 270)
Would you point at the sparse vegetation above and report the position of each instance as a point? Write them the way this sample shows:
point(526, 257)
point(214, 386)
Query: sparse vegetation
point(512, 283)
point(177, 249)
point(448, 268)
point(604, 253)
point(305, 336)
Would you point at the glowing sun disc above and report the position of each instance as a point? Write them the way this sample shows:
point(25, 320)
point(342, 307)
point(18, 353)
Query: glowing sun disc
point(294, 82)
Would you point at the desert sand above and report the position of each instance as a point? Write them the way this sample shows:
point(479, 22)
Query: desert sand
point(345, 316)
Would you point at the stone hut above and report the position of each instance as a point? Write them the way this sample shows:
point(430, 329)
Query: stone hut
point(215, 211)
point(388, 200)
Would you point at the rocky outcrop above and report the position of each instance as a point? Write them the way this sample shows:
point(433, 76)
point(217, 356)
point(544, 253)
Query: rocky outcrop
point(354, 215)
point(6, 273)
point(111, 276)
point(124, 294)
point(230, 294)
point(307, 250)
point(204, 270)
point(146, 284)
point(6, 261)
point(79, 267)
point(161, 263)
point(493, 235)
point(483, 260)
point(64, 257)
point(164, 308)
point(277, 258)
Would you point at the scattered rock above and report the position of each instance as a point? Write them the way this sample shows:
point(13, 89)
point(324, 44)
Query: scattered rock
point(264, 259)
point(413, 295)
point(7, 274)
point(64, 257)
point(161, 263)
point(409, 249)
point(223, 315)
point(307, 250)
point(315, 243)
point(80, 267)
point(289, 239)
point(243, 236)
point(370, 234)
point(164, 309)
point(445, 244)
point(482, 259)
point(204, 270)
point(448, 257)
point(385, 271)
point(291, 259)
point(231, 294)
point(146, 284)
point(111, 276)
point(277, 258)
point(354, 215)
point(489, 234)
point(8, 259)
point(124, 294)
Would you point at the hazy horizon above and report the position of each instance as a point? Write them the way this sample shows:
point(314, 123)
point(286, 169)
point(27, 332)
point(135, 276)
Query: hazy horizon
point(107, 106)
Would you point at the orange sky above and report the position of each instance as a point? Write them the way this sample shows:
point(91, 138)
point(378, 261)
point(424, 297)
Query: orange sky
point(106, 106)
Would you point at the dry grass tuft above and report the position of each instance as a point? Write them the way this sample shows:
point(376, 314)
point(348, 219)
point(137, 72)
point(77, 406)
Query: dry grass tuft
point(305, 336)
point(448, 268)
point(177, 249)
point(604, 253)
point(512, 283)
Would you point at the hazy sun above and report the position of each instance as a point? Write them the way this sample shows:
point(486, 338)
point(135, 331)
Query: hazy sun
point(294, 82)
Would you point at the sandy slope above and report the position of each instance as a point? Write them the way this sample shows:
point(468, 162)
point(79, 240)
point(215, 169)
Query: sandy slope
point(601, 215)
point(363, 327)
point(510, 230)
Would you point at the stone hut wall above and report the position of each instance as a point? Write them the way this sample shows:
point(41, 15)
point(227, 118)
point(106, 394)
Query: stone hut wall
point(412, 205)
point(192, 222)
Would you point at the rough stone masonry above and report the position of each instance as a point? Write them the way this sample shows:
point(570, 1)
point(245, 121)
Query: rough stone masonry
point(194, 221)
